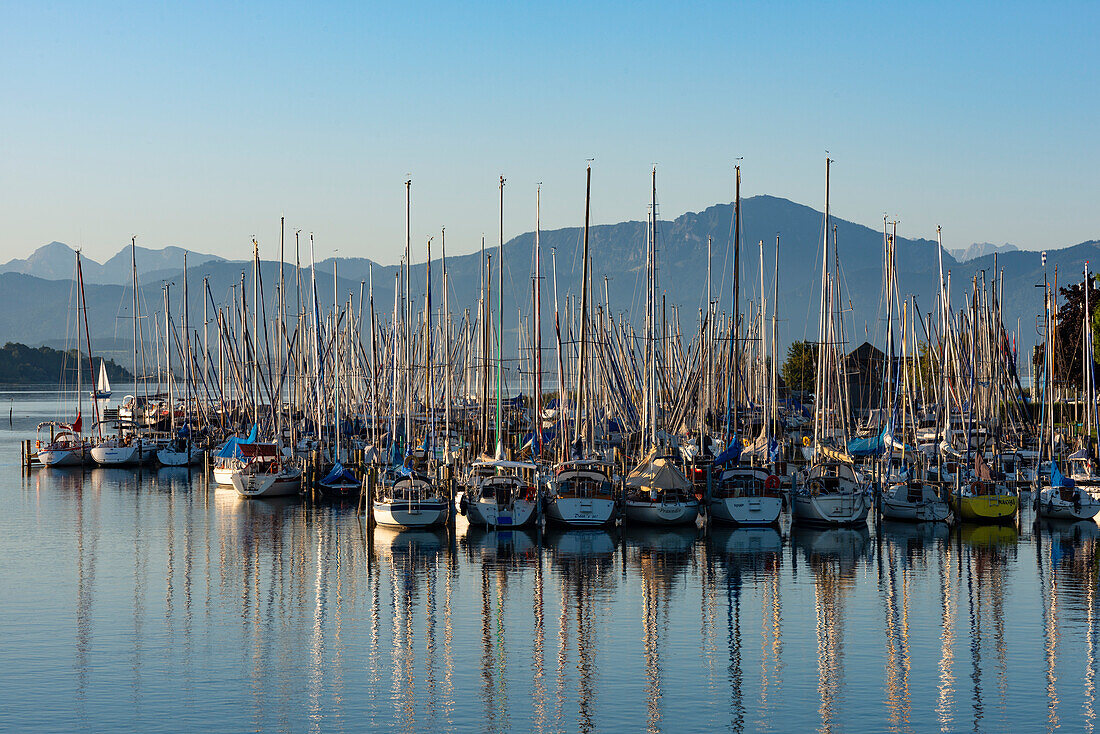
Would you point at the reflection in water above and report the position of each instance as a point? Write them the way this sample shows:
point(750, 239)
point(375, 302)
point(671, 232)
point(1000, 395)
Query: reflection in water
point(170, 597)
point(753, 555)
point(660, 556)
point(583, 561)
point(833, 556)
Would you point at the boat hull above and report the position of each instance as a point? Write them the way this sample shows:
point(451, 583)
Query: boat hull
point(404, 514)
point(986, 508)
point(578, 512)
point(661, 513)
point(178, 458)
point(847, 508)
point(122, 455)
point(1052, 506)
point(60, 457)
point(490, 514)
point(746, 510)
point(266, 484)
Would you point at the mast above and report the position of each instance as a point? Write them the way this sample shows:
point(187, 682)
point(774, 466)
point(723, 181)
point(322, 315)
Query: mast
point(500, 327)
point(88, 337)
point(538, 323)
point(820, 376)
point(736, 315)
point(168, 359)
point(335, 362)
point(133, 269)
point(582, 395)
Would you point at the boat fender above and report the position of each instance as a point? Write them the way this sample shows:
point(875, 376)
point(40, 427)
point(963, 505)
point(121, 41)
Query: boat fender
point(806, 440)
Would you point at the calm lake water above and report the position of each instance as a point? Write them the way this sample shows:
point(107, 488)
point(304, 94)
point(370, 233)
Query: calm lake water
point(149, 602)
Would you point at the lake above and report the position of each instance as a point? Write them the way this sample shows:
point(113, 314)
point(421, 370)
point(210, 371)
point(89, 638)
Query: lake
point(152, 601)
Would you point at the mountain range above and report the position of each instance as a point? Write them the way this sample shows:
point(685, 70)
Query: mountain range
point(980, 249)
point(37, 306)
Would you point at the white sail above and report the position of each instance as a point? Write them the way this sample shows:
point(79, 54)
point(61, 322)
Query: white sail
point(103, 385)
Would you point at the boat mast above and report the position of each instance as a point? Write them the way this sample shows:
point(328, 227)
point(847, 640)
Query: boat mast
point(500, 328)
point(823, 337)
point(582, 398)
point(538, 324)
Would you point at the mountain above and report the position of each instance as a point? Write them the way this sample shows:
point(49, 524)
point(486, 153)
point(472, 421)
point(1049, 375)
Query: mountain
point(35, 310)
point(980, 249)
point(57, 261)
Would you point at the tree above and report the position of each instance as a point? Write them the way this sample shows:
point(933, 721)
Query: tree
point(1069, 328)
point(800, 369)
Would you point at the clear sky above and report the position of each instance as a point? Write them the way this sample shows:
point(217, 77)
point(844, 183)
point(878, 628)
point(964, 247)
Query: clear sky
point(198, 124)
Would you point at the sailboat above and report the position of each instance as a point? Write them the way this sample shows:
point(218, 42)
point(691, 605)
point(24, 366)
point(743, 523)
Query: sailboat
point(67, 447)
point(580, 491)
point(656, 492)
point(1063, 499)
point(179, 450)
point(748, 493)
point(501, 493)
point(407, 496)
point(832, 491)
point(905, 494)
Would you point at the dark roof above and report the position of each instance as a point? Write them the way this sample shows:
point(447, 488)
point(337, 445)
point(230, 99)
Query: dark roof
point(865, 352)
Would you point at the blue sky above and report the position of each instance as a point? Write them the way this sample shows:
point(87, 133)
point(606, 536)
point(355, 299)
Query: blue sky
point(198, 124)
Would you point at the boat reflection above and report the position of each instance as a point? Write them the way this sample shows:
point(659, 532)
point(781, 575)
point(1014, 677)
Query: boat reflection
point(582, 562)
point(660, 556)
point(737, 556)
point(834, 556)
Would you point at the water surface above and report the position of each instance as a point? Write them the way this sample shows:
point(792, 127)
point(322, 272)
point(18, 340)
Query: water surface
point(150, 601)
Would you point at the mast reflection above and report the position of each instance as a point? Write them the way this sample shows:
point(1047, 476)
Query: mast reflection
point(752, 555)
point(661, 556)
point(833, 555)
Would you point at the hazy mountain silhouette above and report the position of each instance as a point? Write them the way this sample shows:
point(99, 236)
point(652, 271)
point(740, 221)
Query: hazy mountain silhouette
point(36, 309)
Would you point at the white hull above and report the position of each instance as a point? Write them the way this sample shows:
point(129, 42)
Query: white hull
point(123, 455)
point(178, 458)
point(1054, 507)
point(937, 511)
point(60, 457)
point(580, 512)
point(490, 514)
point(747, 510)
point(846, 508)
point(406, 514)
point(266, 484)
point(662, 513)
point(223, 475)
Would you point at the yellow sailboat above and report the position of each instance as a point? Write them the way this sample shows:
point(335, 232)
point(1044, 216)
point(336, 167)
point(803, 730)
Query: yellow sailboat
point(983, 500)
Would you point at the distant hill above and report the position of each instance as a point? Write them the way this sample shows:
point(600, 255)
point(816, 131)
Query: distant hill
point(37, 310)
point(57, 261)
point(20, 364)
point(980, 249)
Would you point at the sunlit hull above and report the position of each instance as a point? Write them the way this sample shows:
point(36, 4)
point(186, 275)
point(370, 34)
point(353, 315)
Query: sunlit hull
point(266, 484)
point(60, 457)
point(123, 455)
point(405, 514)
point(986, 508)
point(661, 513)
point(490, 514)
point(746, 510)
point(223, 475)
point(580, 512)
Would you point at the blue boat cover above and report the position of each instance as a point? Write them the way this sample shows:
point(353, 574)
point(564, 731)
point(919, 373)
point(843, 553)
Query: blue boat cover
point(860, 447)
point(731, 455)
point(1057, 479)
point(339, 475)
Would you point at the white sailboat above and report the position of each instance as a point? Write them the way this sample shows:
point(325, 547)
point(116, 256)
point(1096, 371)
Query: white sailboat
point(580, 492)
point(831, 492)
